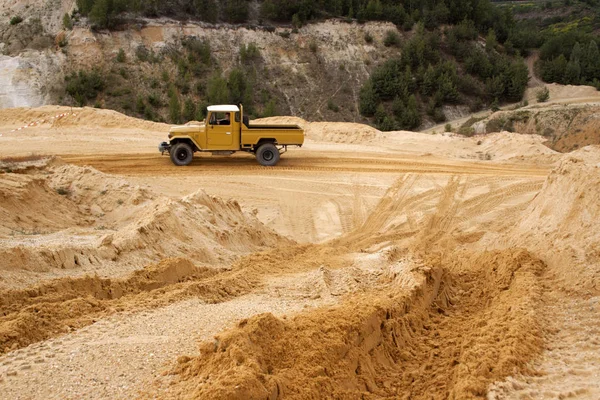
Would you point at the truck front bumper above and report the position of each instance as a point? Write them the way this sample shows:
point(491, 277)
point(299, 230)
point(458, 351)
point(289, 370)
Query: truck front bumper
point(164, 147)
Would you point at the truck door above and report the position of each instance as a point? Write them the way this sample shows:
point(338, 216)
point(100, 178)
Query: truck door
point(220, 130)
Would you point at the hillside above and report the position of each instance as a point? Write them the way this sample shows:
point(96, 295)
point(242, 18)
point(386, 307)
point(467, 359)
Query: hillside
point(166, 63)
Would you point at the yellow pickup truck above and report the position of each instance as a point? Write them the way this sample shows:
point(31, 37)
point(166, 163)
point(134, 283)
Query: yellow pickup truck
point(225, 131)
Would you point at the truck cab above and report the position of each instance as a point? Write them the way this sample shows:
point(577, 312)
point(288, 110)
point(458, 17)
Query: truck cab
point(225, 131)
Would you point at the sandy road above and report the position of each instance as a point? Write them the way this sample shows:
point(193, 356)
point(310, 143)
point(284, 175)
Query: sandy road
point(143, 164)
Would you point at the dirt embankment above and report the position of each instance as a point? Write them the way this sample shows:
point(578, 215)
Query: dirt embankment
point(445, 328)
point(560, 223)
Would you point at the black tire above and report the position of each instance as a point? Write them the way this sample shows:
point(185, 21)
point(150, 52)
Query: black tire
point(181, 154)
point(267, 155)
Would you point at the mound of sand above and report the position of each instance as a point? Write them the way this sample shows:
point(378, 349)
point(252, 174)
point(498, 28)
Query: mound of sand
point(52, 116)
point(64, 217)
point(561, 222)
point(205, 228)
point(387, 343)
point(332, 132)
point(29, 204)
point(510, 145)
point(343, 132)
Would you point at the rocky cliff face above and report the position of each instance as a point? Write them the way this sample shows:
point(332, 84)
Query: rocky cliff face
point(315, 72)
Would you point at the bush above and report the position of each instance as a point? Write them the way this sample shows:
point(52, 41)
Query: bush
point(392, 38)
point(543, 95)
point(174, 107)
point(332, 106)
point(368, 38)
point(84, 86)
point(67, 22)
point(198, 50)
point(121, 56)
point(249, 53)
point(448, 128)
point(313, 46)
point(189, 110)
point(16, 20)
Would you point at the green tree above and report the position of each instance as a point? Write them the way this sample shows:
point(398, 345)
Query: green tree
point(189, 110)
point(102, 13)
point(368, 100)
point(236, 11)
point(217, 90)
point(572, 73)
point(591, 68)
point(174, 107)
point(85, 6)
point(490, 40)
point(121, 56)
point(206, 10)
point(67, 22)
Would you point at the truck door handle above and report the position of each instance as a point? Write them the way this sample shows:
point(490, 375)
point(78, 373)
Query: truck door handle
point(228, 133)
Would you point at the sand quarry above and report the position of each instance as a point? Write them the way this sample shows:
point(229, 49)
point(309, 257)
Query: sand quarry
point(366, 265)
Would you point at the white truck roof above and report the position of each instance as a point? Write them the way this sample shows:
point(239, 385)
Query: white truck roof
point(224, 108)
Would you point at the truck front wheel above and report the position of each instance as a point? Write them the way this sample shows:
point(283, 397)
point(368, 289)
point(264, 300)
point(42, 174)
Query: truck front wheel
point(267, 155)
point(181, 154)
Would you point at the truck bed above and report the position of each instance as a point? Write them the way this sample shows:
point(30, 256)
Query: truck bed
point(286, 127)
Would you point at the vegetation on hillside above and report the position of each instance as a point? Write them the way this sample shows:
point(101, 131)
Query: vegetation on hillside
point(455, 52)
point(566, 34)
point(174, 86)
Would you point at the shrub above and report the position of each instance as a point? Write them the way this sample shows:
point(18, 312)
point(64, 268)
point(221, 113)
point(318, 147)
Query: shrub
point(448, 128)
point(174, 107)
point(154, 100)
point(198, 50)
point(332, 106)
point(313, 46)
point(189, 110)
point(16, 20)
point(67, 21)
point(84, 86)
point(121, 56)
point(392, 38)
point(249, 52)
point(270, 109)
point(368, 38)
point(543, 95)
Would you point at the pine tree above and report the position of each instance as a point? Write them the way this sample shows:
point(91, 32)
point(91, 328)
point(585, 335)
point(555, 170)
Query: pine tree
point(591, 69)
point(368, 100)
point(189, 110)
point(174, 107)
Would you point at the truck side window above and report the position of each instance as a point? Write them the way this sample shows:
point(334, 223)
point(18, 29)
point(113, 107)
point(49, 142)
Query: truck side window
point(237, 117)
point(213, 119)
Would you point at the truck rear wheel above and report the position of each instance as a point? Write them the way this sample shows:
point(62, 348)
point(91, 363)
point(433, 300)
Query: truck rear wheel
point(181, 154)
point(267, 155)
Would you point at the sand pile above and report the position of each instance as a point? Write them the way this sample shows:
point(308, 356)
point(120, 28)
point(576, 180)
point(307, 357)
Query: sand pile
point(333, 132)
point(510, 145)
point(29, 205)
point(205, 228)
point(343, 132)
point(64, 117)
point(64, 217)
point(108, 119)
point(562, 222)
point(443, 327)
